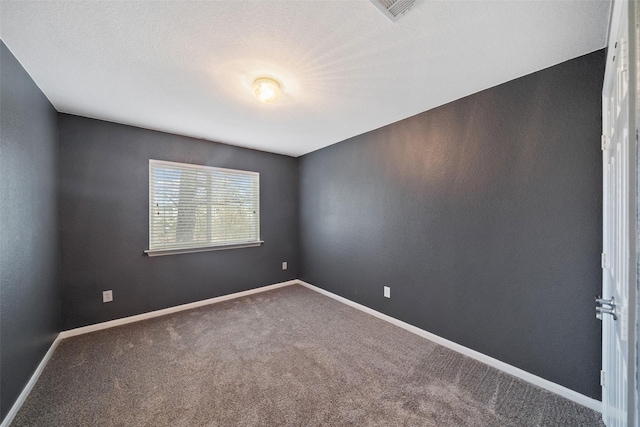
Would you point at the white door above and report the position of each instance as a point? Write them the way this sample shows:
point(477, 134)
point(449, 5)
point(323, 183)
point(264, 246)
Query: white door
point(619, 218)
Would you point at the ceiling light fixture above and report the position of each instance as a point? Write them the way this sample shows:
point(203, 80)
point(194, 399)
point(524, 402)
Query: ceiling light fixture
point(266, 90)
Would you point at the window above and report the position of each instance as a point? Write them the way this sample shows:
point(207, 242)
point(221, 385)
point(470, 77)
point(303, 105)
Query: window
point(195, 208)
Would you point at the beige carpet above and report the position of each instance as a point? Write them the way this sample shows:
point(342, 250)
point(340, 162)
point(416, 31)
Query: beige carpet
point(288, 357)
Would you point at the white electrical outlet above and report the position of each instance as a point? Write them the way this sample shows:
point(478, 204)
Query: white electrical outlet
point(284, 265)
point(387, 292)
point(107, 296)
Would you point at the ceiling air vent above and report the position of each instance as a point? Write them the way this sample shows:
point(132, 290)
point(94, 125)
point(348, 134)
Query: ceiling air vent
point(393, 9)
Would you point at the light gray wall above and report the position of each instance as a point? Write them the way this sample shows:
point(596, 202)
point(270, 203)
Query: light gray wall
point(105, 203)
point(29, 239)
point(483, 216)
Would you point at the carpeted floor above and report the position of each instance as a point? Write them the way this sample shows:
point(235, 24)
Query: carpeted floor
point(287, 357)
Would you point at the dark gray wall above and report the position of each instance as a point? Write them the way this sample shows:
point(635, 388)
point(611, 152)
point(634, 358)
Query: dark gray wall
point(104, 183)
point(29, 239)
point(483, 216)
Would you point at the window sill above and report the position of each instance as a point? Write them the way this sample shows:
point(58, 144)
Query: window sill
point(162, 252)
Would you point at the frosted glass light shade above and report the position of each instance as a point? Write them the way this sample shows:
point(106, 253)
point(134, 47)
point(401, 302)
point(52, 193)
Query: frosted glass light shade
point(266, 90)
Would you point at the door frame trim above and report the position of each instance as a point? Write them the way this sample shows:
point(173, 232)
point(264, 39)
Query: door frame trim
point(634, 291)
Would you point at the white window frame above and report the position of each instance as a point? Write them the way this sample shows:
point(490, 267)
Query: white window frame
point(197, 247)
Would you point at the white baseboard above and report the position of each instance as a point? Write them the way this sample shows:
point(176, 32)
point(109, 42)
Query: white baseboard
point(165, 311)
point(27, 388)
point(505, 367)
point(596, 405)
point(105, 325)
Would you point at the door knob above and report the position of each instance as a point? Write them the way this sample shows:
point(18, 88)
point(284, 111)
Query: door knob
point(611, 309)
point(601, 310)
point(602, 301)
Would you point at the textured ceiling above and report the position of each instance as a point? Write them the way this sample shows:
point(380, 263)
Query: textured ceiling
point(187, 67)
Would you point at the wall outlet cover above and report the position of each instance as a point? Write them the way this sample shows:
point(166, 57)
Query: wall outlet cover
point(387, 292)
point(107, 296)
point(284, 265)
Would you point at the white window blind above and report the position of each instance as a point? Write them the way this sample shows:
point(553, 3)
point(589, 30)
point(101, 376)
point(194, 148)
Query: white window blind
point(193, 207)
